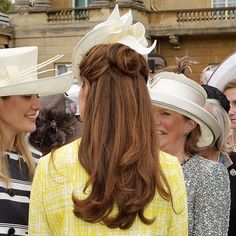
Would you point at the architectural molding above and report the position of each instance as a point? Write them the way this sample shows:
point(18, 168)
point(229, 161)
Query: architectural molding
point(174, 40)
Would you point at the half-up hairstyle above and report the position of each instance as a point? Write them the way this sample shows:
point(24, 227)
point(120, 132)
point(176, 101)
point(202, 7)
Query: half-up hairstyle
point(118, 147)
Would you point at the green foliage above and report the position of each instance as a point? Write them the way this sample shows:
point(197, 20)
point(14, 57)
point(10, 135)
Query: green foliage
point(5, 5)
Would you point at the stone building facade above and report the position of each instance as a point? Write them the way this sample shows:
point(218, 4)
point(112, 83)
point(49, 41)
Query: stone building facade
point(6, 31)
point(201, 29)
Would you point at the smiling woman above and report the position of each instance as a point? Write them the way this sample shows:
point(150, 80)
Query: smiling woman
point(19, 108)
point(183, 127)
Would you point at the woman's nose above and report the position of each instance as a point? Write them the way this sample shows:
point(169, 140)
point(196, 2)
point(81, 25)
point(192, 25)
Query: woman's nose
point(35, 102)
point(231, 110)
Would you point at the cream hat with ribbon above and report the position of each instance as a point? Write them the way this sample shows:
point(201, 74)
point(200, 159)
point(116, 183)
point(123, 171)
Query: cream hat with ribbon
point(115, 29)
point(19, 73)
point(178, 93)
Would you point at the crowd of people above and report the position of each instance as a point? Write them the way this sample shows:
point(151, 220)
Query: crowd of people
point(141, 150)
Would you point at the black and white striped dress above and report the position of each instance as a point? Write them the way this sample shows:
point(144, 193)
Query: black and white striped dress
point(14, 201)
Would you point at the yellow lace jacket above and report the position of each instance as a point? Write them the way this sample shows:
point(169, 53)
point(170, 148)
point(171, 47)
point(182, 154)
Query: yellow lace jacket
point(51, 206)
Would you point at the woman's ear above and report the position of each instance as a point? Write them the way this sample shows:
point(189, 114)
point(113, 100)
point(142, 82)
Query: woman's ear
point(190, 125)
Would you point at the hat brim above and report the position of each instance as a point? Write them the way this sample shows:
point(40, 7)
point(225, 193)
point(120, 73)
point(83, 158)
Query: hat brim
point(93, 38)
point(42, 87)
point(224, 73)
point(210, 129)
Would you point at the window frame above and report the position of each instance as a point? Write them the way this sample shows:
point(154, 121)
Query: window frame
point(86, 3)
point(65, 65)
point(226, 3)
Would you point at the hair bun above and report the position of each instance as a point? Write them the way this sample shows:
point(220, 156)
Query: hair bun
point(126, 60)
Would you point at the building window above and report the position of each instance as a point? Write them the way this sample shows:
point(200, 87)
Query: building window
point(61, 68)
point(82, 3)
point(223, 3)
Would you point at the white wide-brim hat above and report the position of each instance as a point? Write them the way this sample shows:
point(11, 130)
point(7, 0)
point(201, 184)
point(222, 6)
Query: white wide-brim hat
point(224, 73)
point(178, 93)
point(19, 74)
point(115, 29)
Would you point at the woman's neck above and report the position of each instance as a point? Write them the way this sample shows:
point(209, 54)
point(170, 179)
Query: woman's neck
point(181, 155)
point(234, 139)
point(211, 154)
point(9, 141)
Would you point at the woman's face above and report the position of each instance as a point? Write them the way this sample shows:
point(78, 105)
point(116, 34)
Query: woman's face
point(18, 113)
point(231, 95)
point(172, 129)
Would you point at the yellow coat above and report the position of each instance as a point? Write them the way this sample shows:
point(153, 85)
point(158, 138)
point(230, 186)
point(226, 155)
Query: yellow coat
point(51, 206)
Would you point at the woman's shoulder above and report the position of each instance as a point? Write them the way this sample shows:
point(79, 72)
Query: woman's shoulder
point(202, 170)
point(204, 165)
point(67, 154)
point(168, 162)
point(173, 172)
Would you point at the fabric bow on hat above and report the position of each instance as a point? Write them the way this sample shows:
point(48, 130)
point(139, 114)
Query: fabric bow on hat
point(115, 29)
point(122, 31)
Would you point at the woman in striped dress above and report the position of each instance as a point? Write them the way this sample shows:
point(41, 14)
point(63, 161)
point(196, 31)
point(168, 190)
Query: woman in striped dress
point(19, 108)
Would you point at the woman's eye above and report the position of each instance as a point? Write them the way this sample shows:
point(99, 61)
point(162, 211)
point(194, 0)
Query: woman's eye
point(27, 96)
point(166, 114)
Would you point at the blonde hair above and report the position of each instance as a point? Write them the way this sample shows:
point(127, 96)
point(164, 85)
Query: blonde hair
point(22, 146)
point(223, 143)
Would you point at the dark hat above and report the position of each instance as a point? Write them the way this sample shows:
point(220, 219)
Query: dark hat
point(56, 124)
point(215, 93)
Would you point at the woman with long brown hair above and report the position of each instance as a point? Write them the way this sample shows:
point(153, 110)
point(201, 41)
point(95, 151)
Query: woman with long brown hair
point(113, 181)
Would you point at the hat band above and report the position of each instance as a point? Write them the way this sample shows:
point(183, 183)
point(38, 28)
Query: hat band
point(179, 90)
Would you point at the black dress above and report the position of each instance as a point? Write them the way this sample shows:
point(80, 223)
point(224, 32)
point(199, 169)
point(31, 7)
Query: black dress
point(14, 200)
point(232, 176)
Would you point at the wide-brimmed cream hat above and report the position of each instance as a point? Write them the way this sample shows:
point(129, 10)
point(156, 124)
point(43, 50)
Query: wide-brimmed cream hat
point(224, 73)
point(178, 93)
point(115, 29)
point(19, 73)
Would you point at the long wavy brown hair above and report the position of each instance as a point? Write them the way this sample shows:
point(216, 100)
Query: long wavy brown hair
point(118, 147)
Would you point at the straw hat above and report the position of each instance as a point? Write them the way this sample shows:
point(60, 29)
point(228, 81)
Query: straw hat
point(115, 29)
point(224, 73)
point(19, 73)
point(178, 93)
